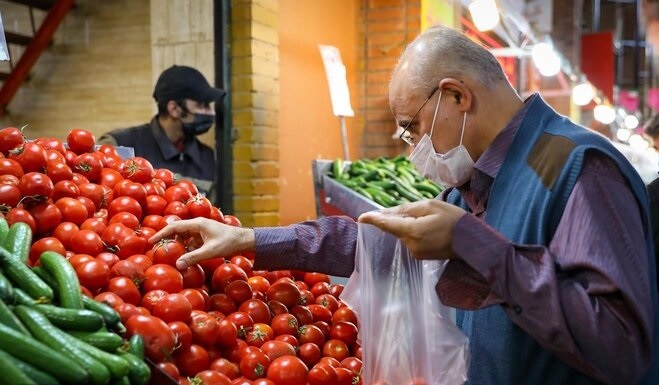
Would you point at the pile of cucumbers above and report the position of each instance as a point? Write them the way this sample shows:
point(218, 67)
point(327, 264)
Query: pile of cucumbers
point(388, 182)
point(52, 334)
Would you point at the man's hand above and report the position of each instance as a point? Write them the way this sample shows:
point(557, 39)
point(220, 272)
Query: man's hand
point(210, 239)
point(425, 227)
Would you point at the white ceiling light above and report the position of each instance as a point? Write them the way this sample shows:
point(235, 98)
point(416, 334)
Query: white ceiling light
point(485, 14)
point(637, 142)
point(631, 121)
point(546, 59)
point(604, 114)
point(623, 134)
point(583, 93)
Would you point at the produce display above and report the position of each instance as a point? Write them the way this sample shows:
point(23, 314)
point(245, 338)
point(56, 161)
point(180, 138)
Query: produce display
point(85, 296)
point(388, 182)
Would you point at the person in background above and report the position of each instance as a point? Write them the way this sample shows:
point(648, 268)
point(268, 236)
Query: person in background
point(544, 226)
point(185, 103)
point(651, 129)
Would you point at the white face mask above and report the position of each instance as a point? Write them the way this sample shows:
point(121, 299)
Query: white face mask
point(451, 169)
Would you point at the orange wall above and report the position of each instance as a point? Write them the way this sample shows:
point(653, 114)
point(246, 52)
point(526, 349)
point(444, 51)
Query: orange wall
point(307, 128)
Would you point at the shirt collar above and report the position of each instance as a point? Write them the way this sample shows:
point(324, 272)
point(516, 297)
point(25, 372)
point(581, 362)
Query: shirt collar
point(169, 150)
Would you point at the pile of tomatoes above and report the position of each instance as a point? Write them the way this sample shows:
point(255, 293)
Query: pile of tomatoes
point(218, 322)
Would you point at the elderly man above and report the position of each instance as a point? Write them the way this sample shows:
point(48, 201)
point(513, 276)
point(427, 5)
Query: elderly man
point(545, 226)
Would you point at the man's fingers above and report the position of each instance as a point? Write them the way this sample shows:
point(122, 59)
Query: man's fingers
point(175, 228)
point(191, 258)
point(391, 223)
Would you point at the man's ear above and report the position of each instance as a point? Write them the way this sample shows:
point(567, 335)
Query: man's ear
point(461, 95)
point(173, 109)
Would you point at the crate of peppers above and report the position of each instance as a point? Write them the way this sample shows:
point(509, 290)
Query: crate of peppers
point(86, 299)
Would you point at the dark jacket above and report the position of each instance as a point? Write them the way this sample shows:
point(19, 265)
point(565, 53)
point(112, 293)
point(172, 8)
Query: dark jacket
point(196, 162)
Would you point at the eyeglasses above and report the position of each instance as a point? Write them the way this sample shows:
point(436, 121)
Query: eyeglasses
point(405, 135)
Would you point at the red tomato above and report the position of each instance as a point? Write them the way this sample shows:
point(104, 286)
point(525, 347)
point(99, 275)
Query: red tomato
point(86, 242)
point(142, 260)
point(108, 298)
point(226, 367)
point(354, 364)
point(177, 193)
point(155, 188)
point(64, 232)
point(344, 331)
point(284, 291)
point(109, 259)
point(211, 377)
point(198, 206)
point(10, 138)
point(177, 208)
point(36, 185)
point(9, 195)
point(311, 278)
point(174, 307)
point(306, 298)
point(309, 353)
point(346, 377)
point(328, 301)
point(192, 360)
point(232, 221)
point(205, 328)
point(126, 289)
point(125, 203)
point(45, 244)
point(336, 290)
point(259, 334)
point(93, 192)
point(80, 141)
point(151, 298)
point(158, 338)
point(193, 277)
point(275, 349)
point(94, 224)
point(72, 210)
point(93, 274)
point(284, 324)
point(65, 188)
point(11, 167)
point(254, 365)
point(78, 259)
point(137, 169)
point(240, 291)
point(258, 283)
point(31, 156)
point(46, 216)
point(88, 165)
point(169, 368)
point(115, 233)
point(126, 310)
point(244, 263)
point(257, 310)
point(182, 333)
point(336, 349)
point(302, 314)
point(288, 370)
point(216, 214)
point(322, 374)
point(109, 177)
point(243, 322)
point(131, 245)
point(195, 298)
point(155, 205)
point(164, 175)
point(319, 289)
point(131, 189)
point(8, 179)
point(227, 333)
point(129, 269)
point(167, 251)
point(129, 220)
point(311, 333)
point(225, 274)
point(222, 303)
point(164, 277)
point(58, 171)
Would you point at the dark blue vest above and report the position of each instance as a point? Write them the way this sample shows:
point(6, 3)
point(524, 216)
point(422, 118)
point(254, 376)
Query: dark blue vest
point(525, 205)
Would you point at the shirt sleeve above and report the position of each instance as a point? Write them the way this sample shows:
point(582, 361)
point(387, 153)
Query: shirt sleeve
point(586, 297)
point(326, 245)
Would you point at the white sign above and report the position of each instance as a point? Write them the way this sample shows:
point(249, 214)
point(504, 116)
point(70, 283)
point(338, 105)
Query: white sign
point(336, 78)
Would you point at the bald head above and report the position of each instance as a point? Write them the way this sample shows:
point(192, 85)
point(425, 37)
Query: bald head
point(442, 52)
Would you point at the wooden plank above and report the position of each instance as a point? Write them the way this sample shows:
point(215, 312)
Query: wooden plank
point(17, 38)
point(40, 4)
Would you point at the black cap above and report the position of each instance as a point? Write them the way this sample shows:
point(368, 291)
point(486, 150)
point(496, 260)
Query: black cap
point(182, 82)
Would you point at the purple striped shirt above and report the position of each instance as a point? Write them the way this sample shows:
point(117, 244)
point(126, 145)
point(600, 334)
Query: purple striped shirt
point(584, 297)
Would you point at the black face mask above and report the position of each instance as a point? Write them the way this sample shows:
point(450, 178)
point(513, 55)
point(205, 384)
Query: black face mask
point(201, 124)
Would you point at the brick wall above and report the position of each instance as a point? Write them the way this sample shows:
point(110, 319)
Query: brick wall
point(255, 108)
point(385, 29)
point(95, 75)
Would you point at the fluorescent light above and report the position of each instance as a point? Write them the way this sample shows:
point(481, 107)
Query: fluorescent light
point(546, 59)
point(605, 114)
point(485, 14)
point(623, 134)
point(637, 142)
point(631, 121)
point(583, 93)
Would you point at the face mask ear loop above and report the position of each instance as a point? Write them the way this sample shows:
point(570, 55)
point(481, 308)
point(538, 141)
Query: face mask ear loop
point(464, 120)
point(432, 127)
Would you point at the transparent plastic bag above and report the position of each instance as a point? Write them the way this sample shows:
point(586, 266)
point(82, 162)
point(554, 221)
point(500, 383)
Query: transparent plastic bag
point(406, 334)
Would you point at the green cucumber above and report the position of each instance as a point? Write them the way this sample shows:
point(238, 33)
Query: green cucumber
point(337, 168)
point(6, 288)
point(139, 372)
point(4, 229)
point(136, 346)
point(19, 240)
point(38, 376)
point(22, 276)
point(8, 318)
point(111, 317)
point(42, 357)
point(69, 293)
point(46, 332)
point(12, 374)
point(46, 277)
point(121, 381)
point(117, 366)
point(104, 340)
point(71, 319)
point(22, 298)
point(429, 187)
